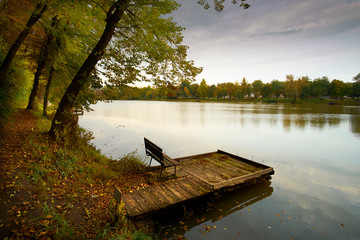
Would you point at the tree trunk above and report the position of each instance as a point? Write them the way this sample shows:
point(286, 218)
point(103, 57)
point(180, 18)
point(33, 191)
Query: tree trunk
point(43, 57)
point(47, 89)
point(35, 16)
point(62, 115)
point(39, 68)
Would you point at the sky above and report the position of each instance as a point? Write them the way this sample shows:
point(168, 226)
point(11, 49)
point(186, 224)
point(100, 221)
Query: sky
point(273, 38)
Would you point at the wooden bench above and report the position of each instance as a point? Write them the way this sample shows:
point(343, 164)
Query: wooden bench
point(155, 152)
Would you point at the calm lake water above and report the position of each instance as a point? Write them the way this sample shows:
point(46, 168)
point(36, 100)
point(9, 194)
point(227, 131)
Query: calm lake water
point(314, 150)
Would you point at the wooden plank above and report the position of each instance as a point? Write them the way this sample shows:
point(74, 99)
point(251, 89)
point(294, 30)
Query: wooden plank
point(184, 159)
point(145, 207)
point(200, 186)
point(229, 163)
point(242, 179)
point(131, 211)
point(208, 169)
point(244, 159)
point(151, 201)
point(172, 193)
point(133, 208)
point(149, 195)
point(203, 174)
point(186, 195)
point(187, 187)
point(198, 175)
point(214, 173)
point(233, 163)
point(171, 187)
point(223, 172)
point(169, 200)
point(162, 200)
point(232, 170)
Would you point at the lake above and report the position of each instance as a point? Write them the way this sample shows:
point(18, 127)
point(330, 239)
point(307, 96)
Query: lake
point(313, 148)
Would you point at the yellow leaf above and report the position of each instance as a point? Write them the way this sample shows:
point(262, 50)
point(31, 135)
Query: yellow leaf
point(87, 212)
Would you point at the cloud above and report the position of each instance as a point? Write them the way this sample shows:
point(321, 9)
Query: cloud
point(286, 30)
point(273, 38)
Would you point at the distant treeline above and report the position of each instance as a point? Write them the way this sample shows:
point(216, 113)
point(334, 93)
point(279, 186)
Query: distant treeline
point(292, 89)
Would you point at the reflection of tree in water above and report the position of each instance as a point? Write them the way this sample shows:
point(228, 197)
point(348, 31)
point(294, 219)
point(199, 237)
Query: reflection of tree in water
point(300, 121)
point(286, 123)
point(212, 208)
point(355, 124)
point(318, 121)
point(303, 117)
point(334, 121)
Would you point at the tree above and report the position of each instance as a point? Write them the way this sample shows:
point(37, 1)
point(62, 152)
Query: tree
point(248, 89)
point(222, 90)
point(257, 85)
point(39, 10)
point(357, 78)
point(356, 86)
point(193, 89)
point(212, 91)
point(202, 90)
point(277, 88)
point(304, 87)
point(320, 87)
point(243, 87)
point(42, 59)
point(62, 115)
point(266, 90)
point(337, 89)
point(219, 4)
point(187, 92)
point(230, 89)
point(237, 91)
point(291, 88)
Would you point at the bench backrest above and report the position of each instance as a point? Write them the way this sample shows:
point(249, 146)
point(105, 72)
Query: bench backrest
point(154, 151)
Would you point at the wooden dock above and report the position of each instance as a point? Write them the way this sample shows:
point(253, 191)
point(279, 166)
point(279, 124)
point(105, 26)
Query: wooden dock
point(198, 175)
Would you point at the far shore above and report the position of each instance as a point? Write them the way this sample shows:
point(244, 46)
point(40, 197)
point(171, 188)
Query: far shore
point(345, 102)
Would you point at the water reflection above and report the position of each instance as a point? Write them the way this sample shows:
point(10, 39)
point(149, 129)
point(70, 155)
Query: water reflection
point(355, 124)
point(208, 211)
point(203, 121)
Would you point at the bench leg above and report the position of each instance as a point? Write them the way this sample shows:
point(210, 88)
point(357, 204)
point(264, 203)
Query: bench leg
point(150, 161)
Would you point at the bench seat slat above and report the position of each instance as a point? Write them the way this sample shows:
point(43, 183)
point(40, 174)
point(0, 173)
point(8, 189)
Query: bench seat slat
point(172, 161)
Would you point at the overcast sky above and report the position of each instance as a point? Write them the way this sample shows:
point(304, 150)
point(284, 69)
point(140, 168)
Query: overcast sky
point(273, 38)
